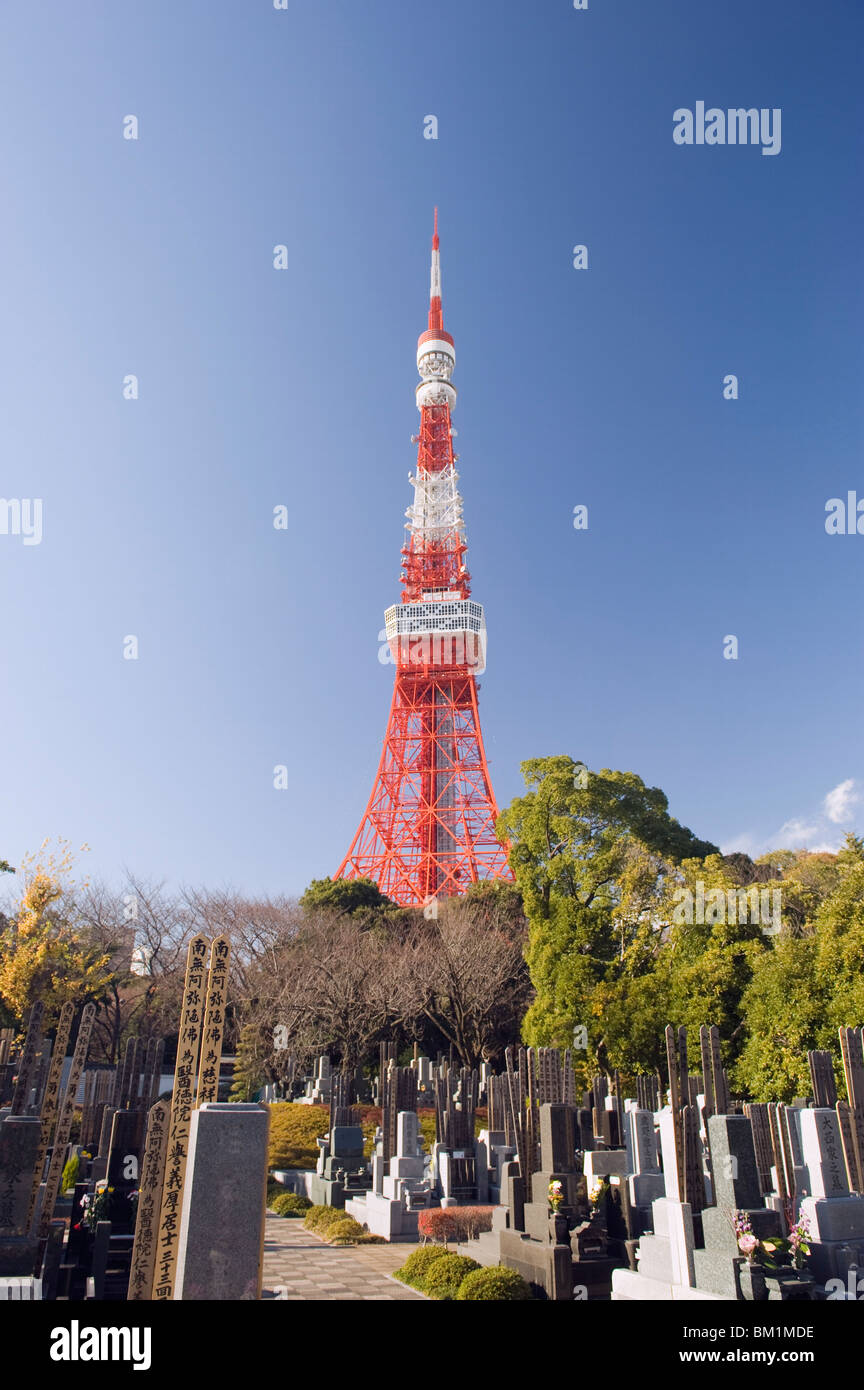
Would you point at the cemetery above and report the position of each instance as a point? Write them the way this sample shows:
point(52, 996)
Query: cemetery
point(512, 1186)
point(341, 1099)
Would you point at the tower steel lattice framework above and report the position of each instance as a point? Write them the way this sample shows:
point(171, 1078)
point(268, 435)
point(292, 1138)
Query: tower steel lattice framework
point(428, 831)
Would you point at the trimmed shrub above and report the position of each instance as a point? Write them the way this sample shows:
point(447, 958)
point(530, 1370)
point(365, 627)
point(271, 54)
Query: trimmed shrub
point(343, 1232)
point(319, 1218)
point(293, 1131)
point(454, 1223)
point(418, 1265)
point(494, 1285)
point(289, 1204)
point(446, 1275)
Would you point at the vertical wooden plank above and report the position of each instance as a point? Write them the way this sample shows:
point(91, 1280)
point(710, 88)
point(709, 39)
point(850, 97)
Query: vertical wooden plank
point(27, 1064)
point(707, 1073)
point(782, 1150)
point(149, 1204)
point(694, 1183)
point(847, 1136)
point(683, 1069)
point(50, 1103)
point(822, 1078)
point(718, 1075)
point(533, 1113)
point(214, 1022)
point(182, 1103)
point(675, 1102)
point(785, 1123)
point(757, 1113)
point(64, 1121)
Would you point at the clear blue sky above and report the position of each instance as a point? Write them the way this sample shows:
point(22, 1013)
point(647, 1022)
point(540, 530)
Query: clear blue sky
point(259, 387)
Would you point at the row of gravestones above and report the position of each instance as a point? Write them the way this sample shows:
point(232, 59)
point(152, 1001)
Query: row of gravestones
point(317, 1088)
point(638, 1238)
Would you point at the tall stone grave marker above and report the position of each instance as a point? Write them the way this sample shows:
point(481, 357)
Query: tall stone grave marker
point(836, 1217)
point(20, 1137)
point(222, 1222)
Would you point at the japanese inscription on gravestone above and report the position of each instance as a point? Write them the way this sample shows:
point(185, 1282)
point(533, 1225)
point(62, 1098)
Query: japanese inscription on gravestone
point(50, 1100)
point(214, 1023)
point(64, 1121)
point(182, 1103)
point(199, 1053)
point(149, 1204)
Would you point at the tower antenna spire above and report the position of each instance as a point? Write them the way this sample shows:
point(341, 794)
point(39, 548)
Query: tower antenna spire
point(436, 318)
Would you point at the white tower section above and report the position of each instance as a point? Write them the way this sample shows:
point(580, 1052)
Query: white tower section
point(437, 509)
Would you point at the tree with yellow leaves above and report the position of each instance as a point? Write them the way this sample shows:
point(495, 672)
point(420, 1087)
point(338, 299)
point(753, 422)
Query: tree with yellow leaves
point(46, 951)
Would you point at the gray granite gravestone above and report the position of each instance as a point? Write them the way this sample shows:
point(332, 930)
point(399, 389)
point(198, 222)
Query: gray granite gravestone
point(342, 1168)
point(835, 1215)
point(645, 1182)
point(720, 1266)
point(19, 1148)
point(222, 1216)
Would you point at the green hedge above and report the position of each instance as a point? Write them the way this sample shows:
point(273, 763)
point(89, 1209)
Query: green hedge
point(418, 1265)
point(346, 1231)
point(498, 1285)
point(446, 1275)
point(290, 1204)
point(319, 1218)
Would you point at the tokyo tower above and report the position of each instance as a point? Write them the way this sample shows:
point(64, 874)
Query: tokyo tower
point(428, 831)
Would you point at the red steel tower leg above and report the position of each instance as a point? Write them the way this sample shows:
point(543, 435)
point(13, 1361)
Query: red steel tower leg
point(429, 828)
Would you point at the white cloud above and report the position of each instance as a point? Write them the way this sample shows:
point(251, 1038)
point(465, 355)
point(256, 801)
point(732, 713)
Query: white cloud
point(815, 833)
point(839, 802)
point(794, 833)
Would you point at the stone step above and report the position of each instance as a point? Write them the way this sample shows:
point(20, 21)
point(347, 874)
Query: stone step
point(484, 1249)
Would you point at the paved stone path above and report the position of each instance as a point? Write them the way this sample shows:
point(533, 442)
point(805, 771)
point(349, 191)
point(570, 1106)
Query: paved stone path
point(299, 1265)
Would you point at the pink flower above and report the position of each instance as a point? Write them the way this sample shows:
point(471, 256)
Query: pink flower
point(747, 1243)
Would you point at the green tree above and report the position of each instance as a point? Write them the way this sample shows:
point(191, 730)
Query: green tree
point(784, 1010)
point(808, 981)
point(591, 855)
point(344, 896)
point(707, 965)
point(839, 926)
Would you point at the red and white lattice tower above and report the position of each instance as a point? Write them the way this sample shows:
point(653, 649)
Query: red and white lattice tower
point(429, 828)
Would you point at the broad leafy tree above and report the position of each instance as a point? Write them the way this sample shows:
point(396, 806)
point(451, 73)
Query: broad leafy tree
point(592, 855)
